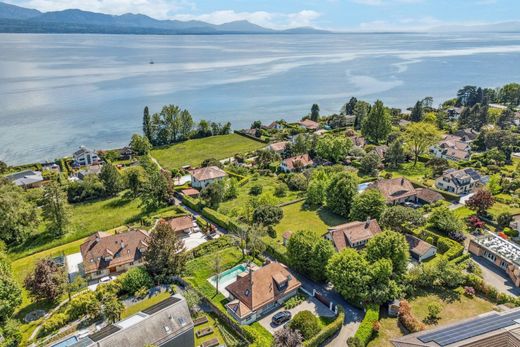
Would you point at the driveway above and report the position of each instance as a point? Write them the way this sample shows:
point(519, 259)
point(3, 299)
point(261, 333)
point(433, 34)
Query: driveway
point(496, 277)
point(193, 240)
point(311, 304)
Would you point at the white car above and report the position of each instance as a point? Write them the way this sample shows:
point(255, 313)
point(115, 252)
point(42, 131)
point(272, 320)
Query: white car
point(106, 279)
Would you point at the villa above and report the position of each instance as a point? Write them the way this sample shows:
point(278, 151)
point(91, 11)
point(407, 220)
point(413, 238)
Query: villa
point(278, 147)
point(452, 148)
point(104, 254)
point(296, 163)
point(85, 156)
point(260, 291)
point(181, 225)
point(460, 181)
point(203, 177)
point(309, 124)
point(353, 234)
point(400, 190)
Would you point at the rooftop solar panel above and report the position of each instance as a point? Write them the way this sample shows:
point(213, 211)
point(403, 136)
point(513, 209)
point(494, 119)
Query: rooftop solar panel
point(106, 331)
point(468, 325)
point(161, 305)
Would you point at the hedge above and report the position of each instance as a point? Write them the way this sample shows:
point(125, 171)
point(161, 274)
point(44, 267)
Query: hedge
point(461, 258)
point(250, 137)
point(327, 331)
point(365, 332)
point(192, 203)
point(216, 217)
point(211, 246)
point(276, 253)
point(57, 321)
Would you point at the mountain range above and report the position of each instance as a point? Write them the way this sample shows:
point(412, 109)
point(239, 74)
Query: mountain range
point(16, 19)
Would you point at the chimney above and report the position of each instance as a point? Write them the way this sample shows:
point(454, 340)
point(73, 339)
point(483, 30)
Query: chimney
point(122, 244)
point(402, 180)
point(367, 223)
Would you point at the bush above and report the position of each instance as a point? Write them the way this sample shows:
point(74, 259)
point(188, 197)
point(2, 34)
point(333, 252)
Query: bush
point(211, 246)
point(79, 305)
point(328, 331)
point(307, 323)
point(294, 301)
point(281, 190)
point(192, 203)
point(434, 309)
point(365, 332)
point(216, 217)
point(256, 190)
point(511, 232)
point(407, 319)
point(135, 279)
point(469, 291)
point(297, 182)
point(57, 321)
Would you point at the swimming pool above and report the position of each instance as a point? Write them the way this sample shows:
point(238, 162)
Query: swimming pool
point(66, 343)
point(227, 277)
point(362, 187)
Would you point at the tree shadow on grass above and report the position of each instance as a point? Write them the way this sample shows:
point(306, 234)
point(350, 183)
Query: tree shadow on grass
point(119, 202)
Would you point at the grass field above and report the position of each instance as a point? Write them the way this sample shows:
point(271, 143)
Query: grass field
point(455, 307)
point(194, 152)
point(415, 173)
point(144, 304)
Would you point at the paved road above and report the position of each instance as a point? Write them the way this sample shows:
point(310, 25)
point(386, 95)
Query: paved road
point(497, 277)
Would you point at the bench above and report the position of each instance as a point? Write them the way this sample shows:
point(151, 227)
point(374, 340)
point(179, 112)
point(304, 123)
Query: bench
point(200, 320)
point(210, 343)
point(204, 332)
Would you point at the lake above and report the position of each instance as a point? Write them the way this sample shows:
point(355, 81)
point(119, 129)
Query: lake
point(58, 92)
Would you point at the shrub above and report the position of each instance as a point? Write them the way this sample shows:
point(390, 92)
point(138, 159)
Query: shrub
point(407, 319)
point(134, 280)
point(54, 323)
point(469, 291)
point(216, 217)
point(511, 232)
point(297, 182)
point(256, 190)
point(353, 341)
point(328, 331)
point(434, 309)
point(307, 323)
point(81, 305)
point(294, 301)
point(281, 190)
point(365, 332)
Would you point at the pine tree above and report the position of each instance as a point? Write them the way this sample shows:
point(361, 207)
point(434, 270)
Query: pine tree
point(377, 125)
point(315, 112)
point(417, 112)
point(147, 125)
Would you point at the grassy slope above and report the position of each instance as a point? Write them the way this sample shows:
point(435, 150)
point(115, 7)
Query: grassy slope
point(193, 152)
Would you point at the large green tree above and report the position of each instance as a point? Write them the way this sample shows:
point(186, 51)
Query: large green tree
point(340, 193)
point(140, 144)
point(315, 112)
point(417, 112)
point(309, 253)
point(348, 272)
point(369, 164)
point(419, 137)
point(10, 292)
point(377, 124)
point(392, 246)
point(370, 204)
point(401, 219)
point(395, 154)
point(333, 148)
point(111, 179)
point(55, 209)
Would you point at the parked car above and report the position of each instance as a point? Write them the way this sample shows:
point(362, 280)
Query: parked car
point(106, 279)
point(281, 317)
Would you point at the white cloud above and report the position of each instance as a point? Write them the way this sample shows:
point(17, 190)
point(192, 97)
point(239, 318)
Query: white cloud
point(384, 2)
point(266, 19)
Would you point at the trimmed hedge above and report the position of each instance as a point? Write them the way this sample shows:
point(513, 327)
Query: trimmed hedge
point(365, 332)
point(276, 253)
point(192, 203)
point(216, 217)
point(211, 246)
point(57, 321)
point(327, 331)
point(461, 258)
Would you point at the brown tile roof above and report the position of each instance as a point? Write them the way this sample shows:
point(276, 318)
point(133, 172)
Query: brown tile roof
point(180, 224)
point(428, 195)
point(123, 247)
point(259, 288)
point(358, 141)
point(418, 246)
point(309, 124)
point(208, 173)
point(298, 161)
point(287, 235)
point(381, 150)
point(347, 234)
point(190, 192)
point(278, 146)
point(394, 188)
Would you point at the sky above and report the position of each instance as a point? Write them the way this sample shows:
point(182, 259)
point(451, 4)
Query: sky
point(338, 15)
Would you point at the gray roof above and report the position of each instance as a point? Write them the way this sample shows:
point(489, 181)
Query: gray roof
point(25, 177)
point(156, 325)
point(81, 150)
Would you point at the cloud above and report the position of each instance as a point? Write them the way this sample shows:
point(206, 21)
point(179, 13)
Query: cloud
point(404, 24)
point(273, 20)
point(385, 2)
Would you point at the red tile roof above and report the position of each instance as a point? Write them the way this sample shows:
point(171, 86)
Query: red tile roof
point(347, 234)
point(394, 188)
point(309, 124)
point(298, 161)
point(208, 173)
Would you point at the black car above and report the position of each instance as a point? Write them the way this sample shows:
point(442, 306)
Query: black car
point(282, 317)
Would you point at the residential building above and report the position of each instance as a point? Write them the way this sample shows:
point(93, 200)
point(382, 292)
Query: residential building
point(85, 156)
point(165, 324)
point(420, 250)
point(191, 192)
point(309, 124)
point(201, 178)
point(182, 225)
point(452, 148)
point(502, 253)
point(353, 234)
point(460, 181)
point(491, 329)
point(454, 113)
point(427, 196)
point(26, 179)
point(89, 170)
point(260, 291)
point(467, 134)
point(104, 254)
point(274, 126)
point(278, 147)
point(296, 163)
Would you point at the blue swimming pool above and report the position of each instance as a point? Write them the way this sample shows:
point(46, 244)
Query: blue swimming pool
point(66, 343)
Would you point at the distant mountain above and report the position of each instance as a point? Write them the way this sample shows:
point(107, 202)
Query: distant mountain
point(15, 19)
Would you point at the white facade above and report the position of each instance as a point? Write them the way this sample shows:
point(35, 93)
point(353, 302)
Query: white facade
point(85, 156)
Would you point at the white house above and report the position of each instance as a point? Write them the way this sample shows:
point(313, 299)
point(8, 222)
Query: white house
point(452, 148)
point(85, 156)
point(201, 178)
point(419, 249)
point(27, 179)
point(460, 181)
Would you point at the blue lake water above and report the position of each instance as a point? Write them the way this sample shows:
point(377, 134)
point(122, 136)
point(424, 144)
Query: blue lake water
point(61, 91)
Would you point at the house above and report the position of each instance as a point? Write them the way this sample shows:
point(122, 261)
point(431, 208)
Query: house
point(278, 147)
point(252, 132)
point(452, 148)
point(358, 141)
point(485, 330)
point(309, 124)
point(165, 324)
point(419, 249)
point(454, 113)
point(26, 179)
point(381, 151)
point(191, 192)
point(201, 178)
point(296, 163)
point(126, 153)
point(51, 166)
point(89, 170)
point(400, 190)
point(85, 156)
point(104, 254)
point(275, 126)
point(460, 182)
point(260, 291)
point(353, 234)
point(181, 225)
point(427, 196)
point(467, 134)
point(502, 253)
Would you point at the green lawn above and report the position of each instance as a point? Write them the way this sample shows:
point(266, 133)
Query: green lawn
point(415, 173)
point(216, 331)
point(455, 307)
point(499, 207)
point(144, 304)
point(194, 152)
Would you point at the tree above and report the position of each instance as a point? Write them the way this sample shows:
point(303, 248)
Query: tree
point(18, 216)
point(111, 179)
point(378, 124)
point(392, 246)
point(147, 125)
point(438, 166)
point(135, 178)
point(266, 157)
point(333, 148)
point(506, 119)
point(55, 209)
point(134, 280)
point(348, 272)
point(267, 215)
point(427, 102)
point(467, 96)
point(217, 269)
point(420, 136)
point(510, 94)
point(165, 256)
point(401, 219)
point(112, 308)
point(297, 181)
point(417, 112)
point(444, 220)
point(185, 125)
point(47, 281)
point(140, 144)
point(257, 124)
point(213, 194)
point(315, 112)
point(481, 201)
point(308, 253)
point(504, 219)
point(474, 117)
point(306, 323)
point(10, 292)
point(286, 337)
point(3, 167)
point(361, 110)
point(395, 154)
point(154, 191)
point(370, 204)
point(10, 332)
point(340, 192)
point(349, 107)
point(369, 164)
point(255, 244)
